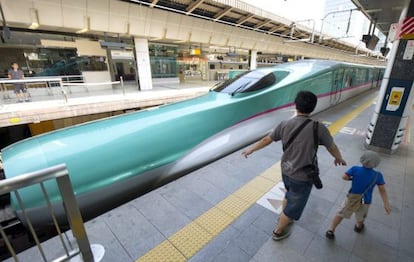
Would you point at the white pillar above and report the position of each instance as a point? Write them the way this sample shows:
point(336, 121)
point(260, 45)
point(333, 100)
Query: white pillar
point(143, 63)
point(253, 59)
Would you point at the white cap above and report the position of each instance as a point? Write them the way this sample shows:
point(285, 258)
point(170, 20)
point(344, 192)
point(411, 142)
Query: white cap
point(370, 159)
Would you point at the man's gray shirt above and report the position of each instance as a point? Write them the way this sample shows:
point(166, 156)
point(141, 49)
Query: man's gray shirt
point(18, 74)
point(301, 151)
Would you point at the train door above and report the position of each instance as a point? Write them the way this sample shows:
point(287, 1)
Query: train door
point(337, 85)
point(379, 75)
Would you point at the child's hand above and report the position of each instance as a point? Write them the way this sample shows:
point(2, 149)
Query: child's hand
point(387, 208)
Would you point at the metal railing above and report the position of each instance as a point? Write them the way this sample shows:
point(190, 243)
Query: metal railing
point(65, 84)
point(73, 215)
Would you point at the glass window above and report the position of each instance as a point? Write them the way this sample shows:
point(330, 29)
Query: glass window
point(246, 82)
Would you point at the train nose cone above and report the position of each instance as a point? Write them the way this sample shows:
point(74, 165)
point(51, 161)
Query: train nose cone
point(24, 157)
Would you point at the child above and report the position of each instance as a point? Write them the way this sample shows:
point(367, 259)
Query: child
point(362, 183)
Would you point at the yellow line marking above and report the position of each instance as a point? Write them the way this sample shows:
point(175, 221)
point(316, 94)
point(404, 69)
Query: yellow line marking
point(343, 121)
point(189, 240)
point(164, 252)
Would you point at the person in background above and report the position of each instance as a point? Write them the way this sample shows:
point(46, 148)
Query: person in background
point(297, 181)
point(19, 88)
point(364, 178)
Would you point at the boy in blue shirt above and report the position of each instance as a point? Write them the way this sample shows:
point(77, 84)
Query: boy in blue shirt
point(362, 178)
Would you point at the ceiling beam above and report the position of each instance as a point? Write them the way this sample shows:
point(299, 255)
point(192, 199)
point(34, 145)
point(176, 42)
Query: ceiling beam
point(193, 6)
point(276, 28)
point(223, 13)
point(153, 3)
point(262, 24)
point(244, 19)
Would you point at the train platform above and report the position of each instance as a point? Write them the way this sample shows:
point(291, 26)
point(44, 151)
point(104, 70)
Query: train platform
point(105, 98)
point(226, 211)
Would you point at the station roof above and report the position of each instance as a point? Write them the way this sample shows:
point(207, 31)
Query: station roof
point(246, 16)
point(382, 12)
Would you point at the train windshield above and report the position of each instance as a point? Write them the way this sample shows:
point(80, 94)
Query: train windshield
point(246, 82)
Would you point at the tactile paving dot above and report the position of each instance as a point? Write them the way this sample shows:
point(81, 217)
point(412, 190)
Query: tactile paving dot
point(163, 252)
point(190, 239)
point(214, 220)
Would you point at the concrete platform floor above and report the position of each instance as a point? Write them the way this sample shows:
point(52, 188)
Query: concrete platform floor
point(218, 212)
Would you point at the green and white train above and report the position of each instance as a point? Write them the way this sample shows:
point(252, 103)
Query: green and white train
point(114, 159)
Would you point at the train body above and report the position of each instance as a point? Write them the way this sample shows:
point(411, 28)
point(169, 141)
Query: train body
point(115, 159)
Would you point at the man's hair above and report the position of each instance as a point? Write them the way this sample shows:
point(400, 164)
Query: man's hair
point(305, 102)
point(13, 63)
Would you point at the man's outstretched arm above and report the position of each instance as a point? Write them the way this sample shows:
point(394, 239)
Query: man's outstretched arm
point(334, 151)
point(265, 141)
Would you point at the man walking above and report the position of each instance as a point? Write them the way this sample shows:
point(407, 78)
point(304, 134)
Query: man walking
point(299, 154)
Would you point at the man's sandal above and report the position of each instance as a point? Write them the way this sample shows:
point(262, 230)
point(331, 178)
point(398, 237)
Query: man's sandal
point(330, 234)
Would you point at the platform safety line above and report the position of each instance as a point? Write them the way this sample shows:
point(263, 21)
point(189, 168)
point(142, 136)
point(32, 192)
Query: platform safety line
point(186, 242)
point(335, 127)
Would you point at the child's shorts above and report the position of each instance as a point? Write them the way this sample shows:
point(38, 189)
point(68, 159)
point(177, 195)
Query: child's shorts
point(360, 214)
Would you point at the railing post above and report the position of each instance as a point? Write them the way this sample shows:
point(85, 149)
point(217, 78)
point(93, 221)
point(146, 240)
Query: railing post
point(122, 84)
point(74, 217)
point(65, 96)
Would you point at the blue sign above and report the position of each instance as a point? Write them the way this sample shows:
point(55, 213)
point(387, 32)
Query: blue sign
point(396, 97)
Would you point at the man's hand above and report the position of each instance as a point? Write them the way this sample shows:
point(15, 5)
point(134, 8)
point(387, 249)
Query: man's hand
point(259, 145)
point(246, 153)
point(339, 162)
point(387, 208)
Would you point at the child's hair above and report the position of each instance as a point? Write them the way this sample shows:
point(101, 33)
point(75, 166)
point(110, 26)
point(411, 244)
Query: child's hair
point(370, 159)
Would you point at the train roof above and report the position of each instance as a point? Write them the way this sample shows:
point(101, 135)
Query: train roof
point(302, 69)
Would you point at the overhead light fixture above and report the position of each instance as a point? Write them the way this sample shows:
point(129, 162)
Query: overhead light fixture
point(127, 27)
point(34, 18)
point(86, 25)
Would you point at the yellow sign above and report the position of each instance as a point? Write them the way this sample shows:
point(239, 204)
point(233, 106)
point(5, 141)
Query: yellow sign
point(14, 120)
point(394, 100)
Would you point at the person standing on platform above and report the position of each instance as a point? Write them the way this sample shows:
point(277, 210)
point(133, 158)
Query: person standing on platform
point(16, 74)
point(300, 153)
point(364, 178)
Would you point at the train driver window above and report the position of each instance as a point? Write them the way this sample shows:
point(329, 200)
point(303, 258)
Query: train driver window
point(246, 82)
point(264, 82)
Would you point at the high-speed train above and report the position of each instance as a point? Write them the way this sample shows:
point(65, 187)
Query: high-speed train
point(114, 159)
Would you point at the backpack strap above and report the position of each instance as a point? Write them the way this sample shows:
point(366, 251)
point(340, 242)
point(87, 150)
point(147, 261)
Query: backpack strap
point(315, 139)
point(295, 134)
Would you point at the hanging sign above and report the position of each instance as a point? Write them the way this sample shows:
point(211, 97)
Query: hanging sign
point(407, 28)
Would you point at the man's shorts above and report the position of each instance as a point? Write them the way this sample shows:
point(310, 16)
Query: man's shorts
point(360, 214)
point(297, 196)
point(19, 87)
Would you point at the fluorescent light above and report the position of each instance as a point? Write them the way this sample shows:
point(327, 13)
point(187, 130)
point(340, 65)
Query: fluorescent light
point(34, 18)
point(86, 25)
point(34, 25)
point(83, 30)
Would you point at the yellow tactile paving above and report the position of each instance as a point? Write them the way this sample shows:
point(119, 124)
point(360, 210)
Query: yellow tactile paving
point(163, 252)
point(340, 123)
point(190, 239)
point(260, 183)
point(214, 221)
point(274, 173)
point(249, 194)
point(233, 206)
